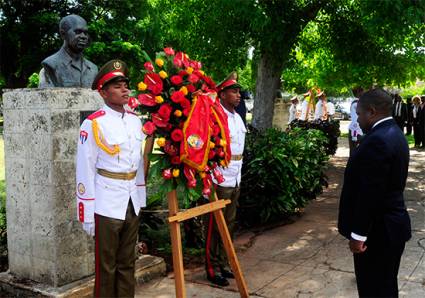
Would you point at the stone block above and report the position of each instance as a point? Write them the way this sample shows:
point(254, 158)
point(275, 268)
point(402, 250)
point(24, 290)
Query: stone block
point(63, 172)
point(13, 121)
point(19, 264)
point(38, 122)
point(15, 145)
point(46, 241)
point(16, 170)
point(44, 271)
point(65, 121)
point(38, 147)
point(43, 246)
point(40, 172)
point(64, 146)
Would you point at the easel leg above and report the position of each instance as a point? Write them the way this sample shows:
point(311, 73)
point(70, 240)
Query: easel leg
point(176, 244)
point(230, 251)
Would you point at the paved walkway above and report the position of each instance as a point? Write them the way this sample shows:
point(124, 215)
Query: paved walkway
point(309, 258)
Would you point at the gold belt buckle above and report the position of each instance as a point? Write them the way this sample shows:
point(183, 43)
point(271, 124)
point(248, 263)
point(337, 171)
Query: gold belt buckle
point(118, 176)
point(236, 157)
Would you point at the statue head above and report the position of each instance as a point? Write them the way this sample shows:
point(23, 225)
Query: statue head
point(73, 30)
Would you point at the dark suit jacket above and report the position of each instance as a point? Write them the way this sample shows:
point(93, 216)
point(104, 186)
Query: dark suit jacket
point(403, 113)
point(372, 202)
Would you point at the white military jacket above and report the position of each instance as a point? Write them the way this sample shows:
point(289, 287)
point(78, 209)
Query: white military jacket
point(98, 194)
point(232, 174)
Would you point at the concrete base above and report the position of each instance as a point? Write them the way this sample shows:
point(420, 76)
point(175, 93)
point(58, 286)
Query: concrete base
point(147, 268)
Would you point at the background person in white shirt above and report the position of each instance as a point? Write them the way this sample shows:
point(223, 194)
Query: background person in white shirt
point(110, 178)
point(293, 109)
point(216, 262)
point(354, 131)
point(324, 110)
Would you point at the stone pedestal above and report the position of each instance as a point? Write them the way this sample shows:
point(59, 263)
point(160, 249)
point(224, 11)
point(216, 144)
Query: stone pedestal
point(281, 114)
point(45, 241)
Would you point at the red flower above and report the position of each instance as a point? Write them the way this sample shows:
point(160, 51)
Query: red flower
point(178, 59)
point(148, 66)
point(182, 73)
point(146, 100)
point(185, 103)
point(154, 82)
point(133, 102)
point(169, 51)
point(166, 174)
point(195, 64)
point(186, 112)
point(211, 154)
point(149, 128)
point(165, 111)
point(177, 135)
point(177, 96)
point(193, 78)
point(175, 160)
point(176, 80)
point(170, 149)
point(191, 88)
point(158, 120)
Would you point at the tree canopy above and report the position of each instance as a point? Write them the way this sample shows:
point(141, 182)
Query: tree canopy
point(296, 44)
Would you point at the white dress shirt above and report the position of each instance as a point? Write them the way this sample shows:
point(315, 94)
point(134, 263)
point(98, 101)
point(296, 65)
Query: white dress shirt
point(106, 196)
point(232, 174)
point(292, 112)
point(354, 126)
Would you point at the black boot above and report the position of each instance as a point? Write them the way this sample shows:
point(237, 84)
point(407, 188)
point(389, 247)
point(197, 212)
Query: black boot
point(226, 273)
point(218, 280)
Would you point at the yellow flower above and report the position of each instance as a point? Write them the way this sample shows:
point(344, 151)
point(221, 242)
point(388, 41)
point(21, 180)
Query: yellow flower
point(212, 145)
point(163, 74)
point(160, 142)
point(178, 113)
point(189, 70)
point(202, 174)
point(201, 72)
point(159, 62)
point(176, 172)
point(184, 90)
point(223, 143)
point(159, 99)
point(142, 86)
point(223, 163)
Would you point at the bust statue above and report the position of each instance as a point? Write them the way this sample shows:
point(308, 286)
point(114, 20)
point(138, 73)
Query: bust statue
point(68, 67)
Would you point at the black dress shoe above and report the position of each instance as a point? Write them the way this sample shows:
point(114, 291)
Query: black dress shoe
point(227, 274)
point(218, 280)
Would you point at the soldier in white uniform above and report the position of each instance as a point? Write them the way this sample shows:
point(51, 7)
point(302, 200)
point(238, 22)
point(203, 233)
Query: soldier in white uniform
point(111, 182)
point(293, 109)
point(324, 110)
point(216, 261)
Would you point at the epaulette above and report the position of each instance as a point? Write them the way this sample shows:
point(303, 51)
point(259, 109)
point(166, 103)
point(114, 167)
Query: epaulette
point(96, 114)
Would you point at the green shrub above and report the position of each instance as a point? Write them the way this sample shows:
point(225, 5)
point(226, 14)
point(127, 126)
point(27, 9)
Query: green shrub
point(329, 128)
point(282, 171)
point(33, 81)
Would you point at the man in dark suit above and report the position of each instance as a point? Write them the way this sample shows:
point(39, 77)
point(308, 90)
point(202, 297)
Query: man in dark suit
point(399, 112)
point(372, 213)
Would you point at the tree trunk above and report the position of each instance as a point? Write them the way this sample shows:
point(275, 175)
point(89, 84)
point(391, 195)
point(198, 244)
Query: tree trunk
point(268, 81)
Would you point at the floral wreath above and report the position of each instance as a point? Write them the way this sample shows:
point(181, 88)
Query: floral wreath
point(180, 106)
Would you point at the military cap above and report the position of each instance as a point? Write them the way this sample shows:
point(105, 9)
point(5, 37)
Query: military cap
point(308, 93)
point(320, 93)
point(230, 82)
point(109, 72)
point(294, 98)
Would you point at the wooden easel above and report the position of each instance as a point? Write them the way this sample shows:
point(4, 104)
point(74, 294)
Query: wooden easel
point(175, 218)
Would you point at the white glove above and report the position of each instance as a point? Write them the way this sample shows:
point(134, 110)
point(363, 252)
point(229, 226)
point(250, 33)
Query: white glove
point(88, 227)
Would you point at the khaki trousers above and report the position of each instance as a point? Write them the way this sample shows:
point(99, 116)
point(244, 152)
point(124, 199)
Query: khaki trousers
point(215, 254)
point(115, 255)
